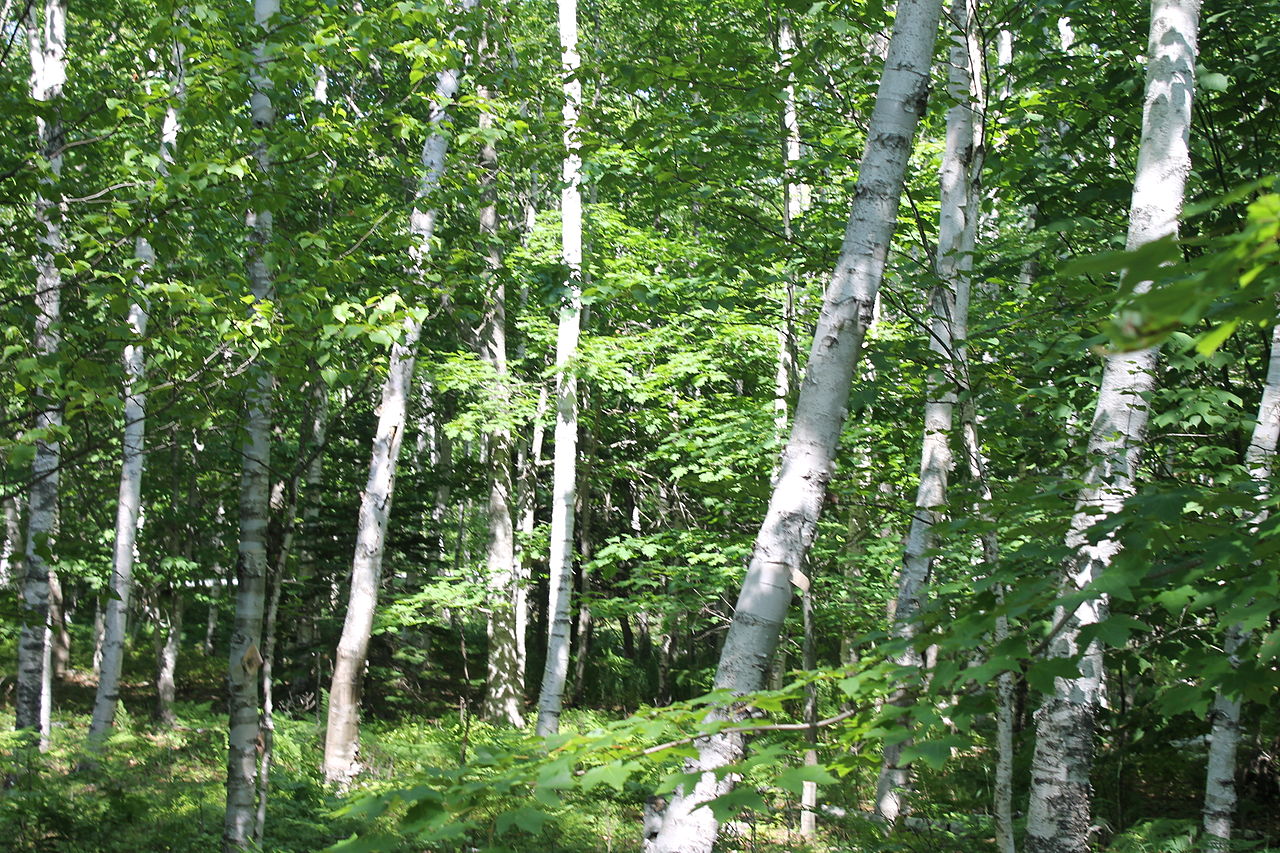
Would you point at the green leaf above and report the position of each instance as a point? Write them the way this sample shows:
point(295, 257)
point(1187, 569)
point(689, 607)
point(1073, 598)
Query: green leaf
point(525, 818)
point(614, 774)
point(793, 778)
point(1210, 341)
point(743, 797)
point(1040, 676)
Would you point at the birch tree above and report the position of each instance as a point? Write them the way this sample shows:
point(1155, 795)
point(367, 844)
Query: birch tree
point(1058, 819)
point(255, 477)
point(1224, 737)
point(564, 465)
point(47, 42)
point(342, 733)
point(504, 682)
point(133, 457)
point(948, 328)
point(808, 460)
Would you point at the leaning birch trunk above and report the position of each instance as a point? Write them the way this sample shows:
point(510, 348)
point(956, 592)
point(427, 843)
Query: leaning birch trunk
point(564, 466)
point(1220, 779)
point(1058, 819)
point(342, 733)
point(808, 460)
point(504, 686)
point(245, 656)
point(48, 73)
point(133, 458)
point(948, 328)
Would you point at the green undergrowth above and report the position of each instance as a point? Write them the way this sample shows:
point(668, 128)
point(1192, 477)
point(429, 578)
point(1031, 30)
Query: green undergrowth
point(457, 784)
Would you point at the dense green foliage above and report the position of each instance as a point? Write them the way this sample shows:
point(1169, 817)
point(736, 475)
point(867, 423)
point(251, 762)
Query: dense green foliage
point(689, 263)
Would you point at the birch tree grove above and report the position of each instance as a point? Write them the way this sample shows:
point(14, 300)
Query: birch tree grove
point(468, 334)
point(1058, 818)
point(807, 462)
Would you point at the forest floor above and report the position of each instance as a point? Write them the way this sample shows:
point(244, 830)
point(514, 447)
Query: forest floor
point(162, 789)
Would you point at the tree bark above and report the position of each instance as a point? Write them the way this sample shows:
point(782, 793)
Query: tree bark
point(504, 694)
point(342, 733)
point(1220, 778)
point(948, 328)
point(564, 465)
point(1058, 819)
point(48, 49)
point(168, 642)
point(133, 455)
point(245, 656)
point(808, 460)
point(12, 538)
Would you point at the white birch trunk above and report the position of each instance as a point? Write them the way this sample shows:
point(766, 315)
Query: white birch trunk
point(792, 206)
point(1220, 778)
point(808, 460)
point(342, 733)
point(504, 695)
point(133, 458)
point(245, 657)
point(12, 538)
point(948, 328)
point(564, 465)
point(48, 50)
point(168, 640)
point(128, 511)
point(1058, 819)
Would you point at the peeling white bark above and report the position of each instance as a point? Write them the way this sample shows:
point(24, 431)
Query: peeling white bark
point(133, 455)
point(48, 51)
point(948, 328)
point(128, 511)
point(1059, 819)
point(808, 460)
point(342, 733)
point(504, 693)
point(1220, 778)
point(565, 462)
point(245, 657)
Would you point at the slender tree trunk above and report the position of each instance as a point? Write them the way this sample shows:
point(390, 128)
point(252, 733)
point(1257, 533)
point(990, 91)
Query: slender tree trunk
point(1220, 779)
point(305, 582)
point(564, 466)
point(285, 505)
point(133, 456)
point(342, 734)
point(12, 538)
point(1058, 820)
point(245, 657)
point(60, 637)
point(128, 510)
point(808, 460)
point(48, 48)
point(168, 644)
point(809, 790)
point(947, 330)
point(504, 695)
point(99, 632)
